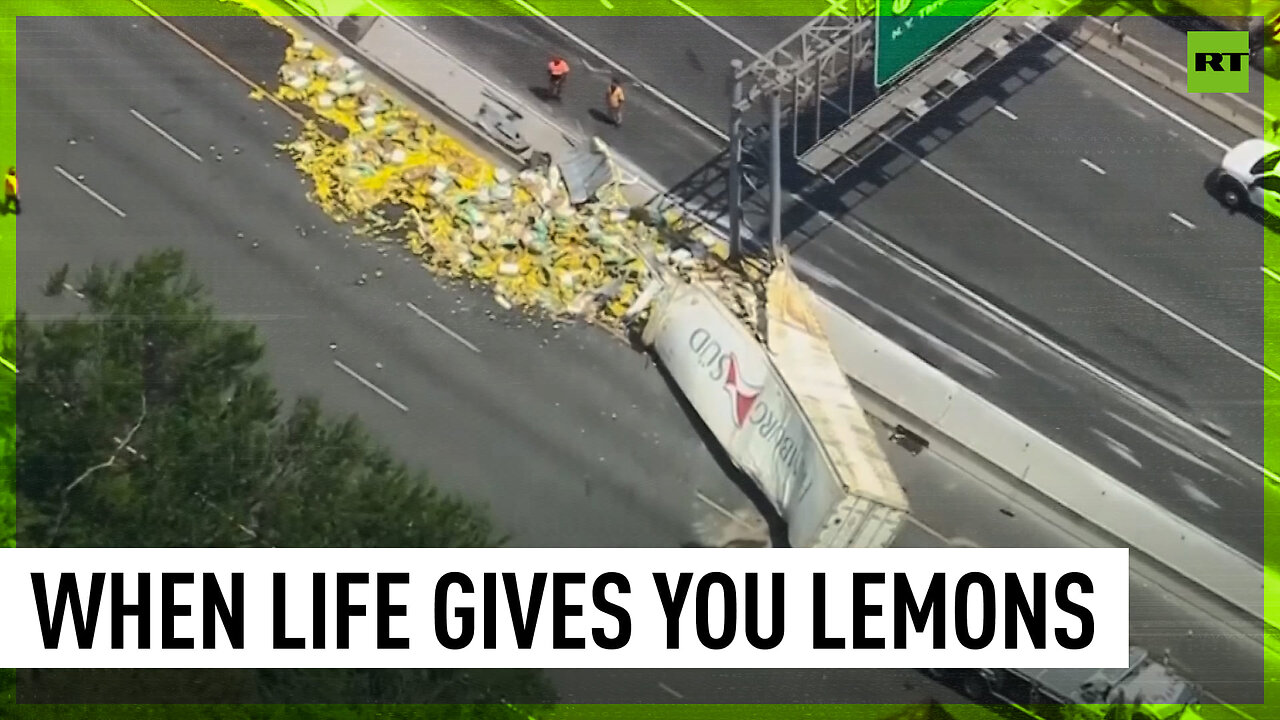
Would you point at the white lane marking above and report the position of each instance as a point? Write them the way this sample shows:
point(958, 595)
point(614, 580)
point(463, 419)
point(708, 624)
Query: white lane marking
point(1092, 166)
point(166, 135)
point(1002, 352)
point(383, 393)
point(1182, 67)
point(719, 30)
point(88, 190)
point(1271, 273)
point(959, 356)
point(1192, 491)
point(74, 291)
point(1000, 109)
point(1169, 445)
point(1183, 221)
point(420, 313)
point(1136, 111)
point(611, 63)
point(667, 689)
point(932, 275)
point(1133, 91)
point(220, 62)
point(898, 255)
point(1118, 448)
point(1098, 269)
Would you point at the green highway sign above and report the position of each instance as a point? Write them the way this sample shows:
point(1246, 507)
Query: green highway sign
point(908, 30)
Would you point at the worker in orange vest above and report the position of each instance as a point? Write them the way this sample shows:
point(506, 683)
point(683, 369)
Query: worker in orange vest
point(11, 192)
point(614, 99)
point(557, 71)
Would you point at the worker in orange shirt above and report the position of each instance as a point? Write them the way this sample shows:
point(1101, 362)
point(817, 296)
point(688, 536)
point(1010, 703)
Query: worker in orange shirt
point(11, 192)
point(615, 99)
point(557, 71)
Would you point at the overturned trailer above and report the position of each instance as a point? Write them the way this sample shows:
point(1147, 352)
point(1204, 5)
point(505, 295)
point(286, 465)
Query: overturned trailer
point(784, 414)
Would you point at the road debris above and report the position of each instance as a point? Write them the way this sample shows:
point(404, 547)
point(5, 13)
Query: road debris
point(376, 163)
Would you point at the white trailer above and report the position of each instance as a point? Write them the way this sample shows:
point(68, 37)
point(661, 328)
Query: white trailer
point(785, 414)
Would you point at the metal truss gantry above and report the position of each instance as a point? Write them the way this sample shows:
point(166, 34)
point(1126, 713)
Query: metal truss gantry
point(812, 81)
point(803, 70)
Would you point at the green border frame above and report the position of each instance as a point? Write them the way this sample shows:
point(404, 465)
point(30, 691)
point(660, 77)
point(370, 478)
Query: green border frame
point(9, 11)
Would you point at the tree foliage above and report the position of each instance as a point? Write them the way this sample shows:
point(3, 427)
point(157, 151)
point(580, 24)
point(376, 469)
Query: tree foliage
point(146, 423)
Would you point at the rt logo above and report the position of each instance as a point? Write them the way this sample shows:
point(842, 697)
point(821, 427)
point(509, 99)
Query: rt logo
point(1218, 62)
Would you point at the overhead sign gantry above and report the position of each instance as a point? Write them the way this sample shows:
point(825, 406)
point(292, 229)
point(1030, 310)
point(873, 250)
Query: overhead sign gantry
point(923, 52)
point(908, 31)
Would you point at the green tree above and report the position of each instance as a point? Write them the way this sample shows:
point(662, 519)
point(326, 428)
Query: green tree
point(145, 423)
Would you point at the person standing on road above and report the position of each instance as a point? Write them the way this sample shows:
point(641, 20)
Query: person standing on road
point(557, 71)
point(11, 192)
point(615, 99)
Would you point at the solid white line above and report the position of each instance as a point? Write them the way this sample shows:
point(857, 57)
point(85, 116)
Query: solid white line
point(721, 31)
point(220, 62)
point(166, 135)
point(959, 356)
point(610, 62)
point(1092, 166)
point(669, 690)
point(1133, 91)
point(932, 275)
point(1182, 67)
point(1187, 223)
point(442, 327)
point(88, 190)
point(385, 396)
point(1098, 269)
point(1000, 109)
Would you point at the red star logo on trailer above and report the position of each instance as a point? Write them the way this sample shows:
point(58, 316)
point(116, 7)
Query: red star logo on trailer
point(742, 395)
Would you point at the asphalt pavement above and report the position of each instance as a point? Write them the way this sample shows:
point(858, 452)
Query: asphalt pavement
point(906, 222)
point(517, 415)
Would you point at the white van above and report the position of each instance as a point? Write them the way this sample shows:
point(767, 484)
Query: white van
point(1247, 175)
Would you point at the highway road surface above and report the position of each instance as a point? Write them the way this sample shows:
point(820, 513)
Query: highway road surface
point(133, 140)
point(1061, 197)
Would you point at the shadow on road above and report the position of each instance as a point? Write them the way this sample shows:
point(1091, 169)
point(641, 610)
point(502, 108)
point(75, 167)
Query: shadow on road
point(705, 191)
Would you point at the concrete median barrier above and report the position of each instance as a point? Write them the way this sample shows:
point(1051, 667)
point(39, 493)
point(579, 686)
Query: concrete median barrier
point(906, 382)
point(961, 415)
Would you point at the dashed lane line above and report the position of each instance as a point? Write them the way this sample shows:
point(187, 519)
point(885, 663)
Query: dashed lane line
point(900, 256)
point(1092, 166)
point(89, 191)
point(1097, 269)
point(670, 691)
point(442, 327)
point(161, 131)
point(220, 62)
point(360, 379)
point(1132, 90)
